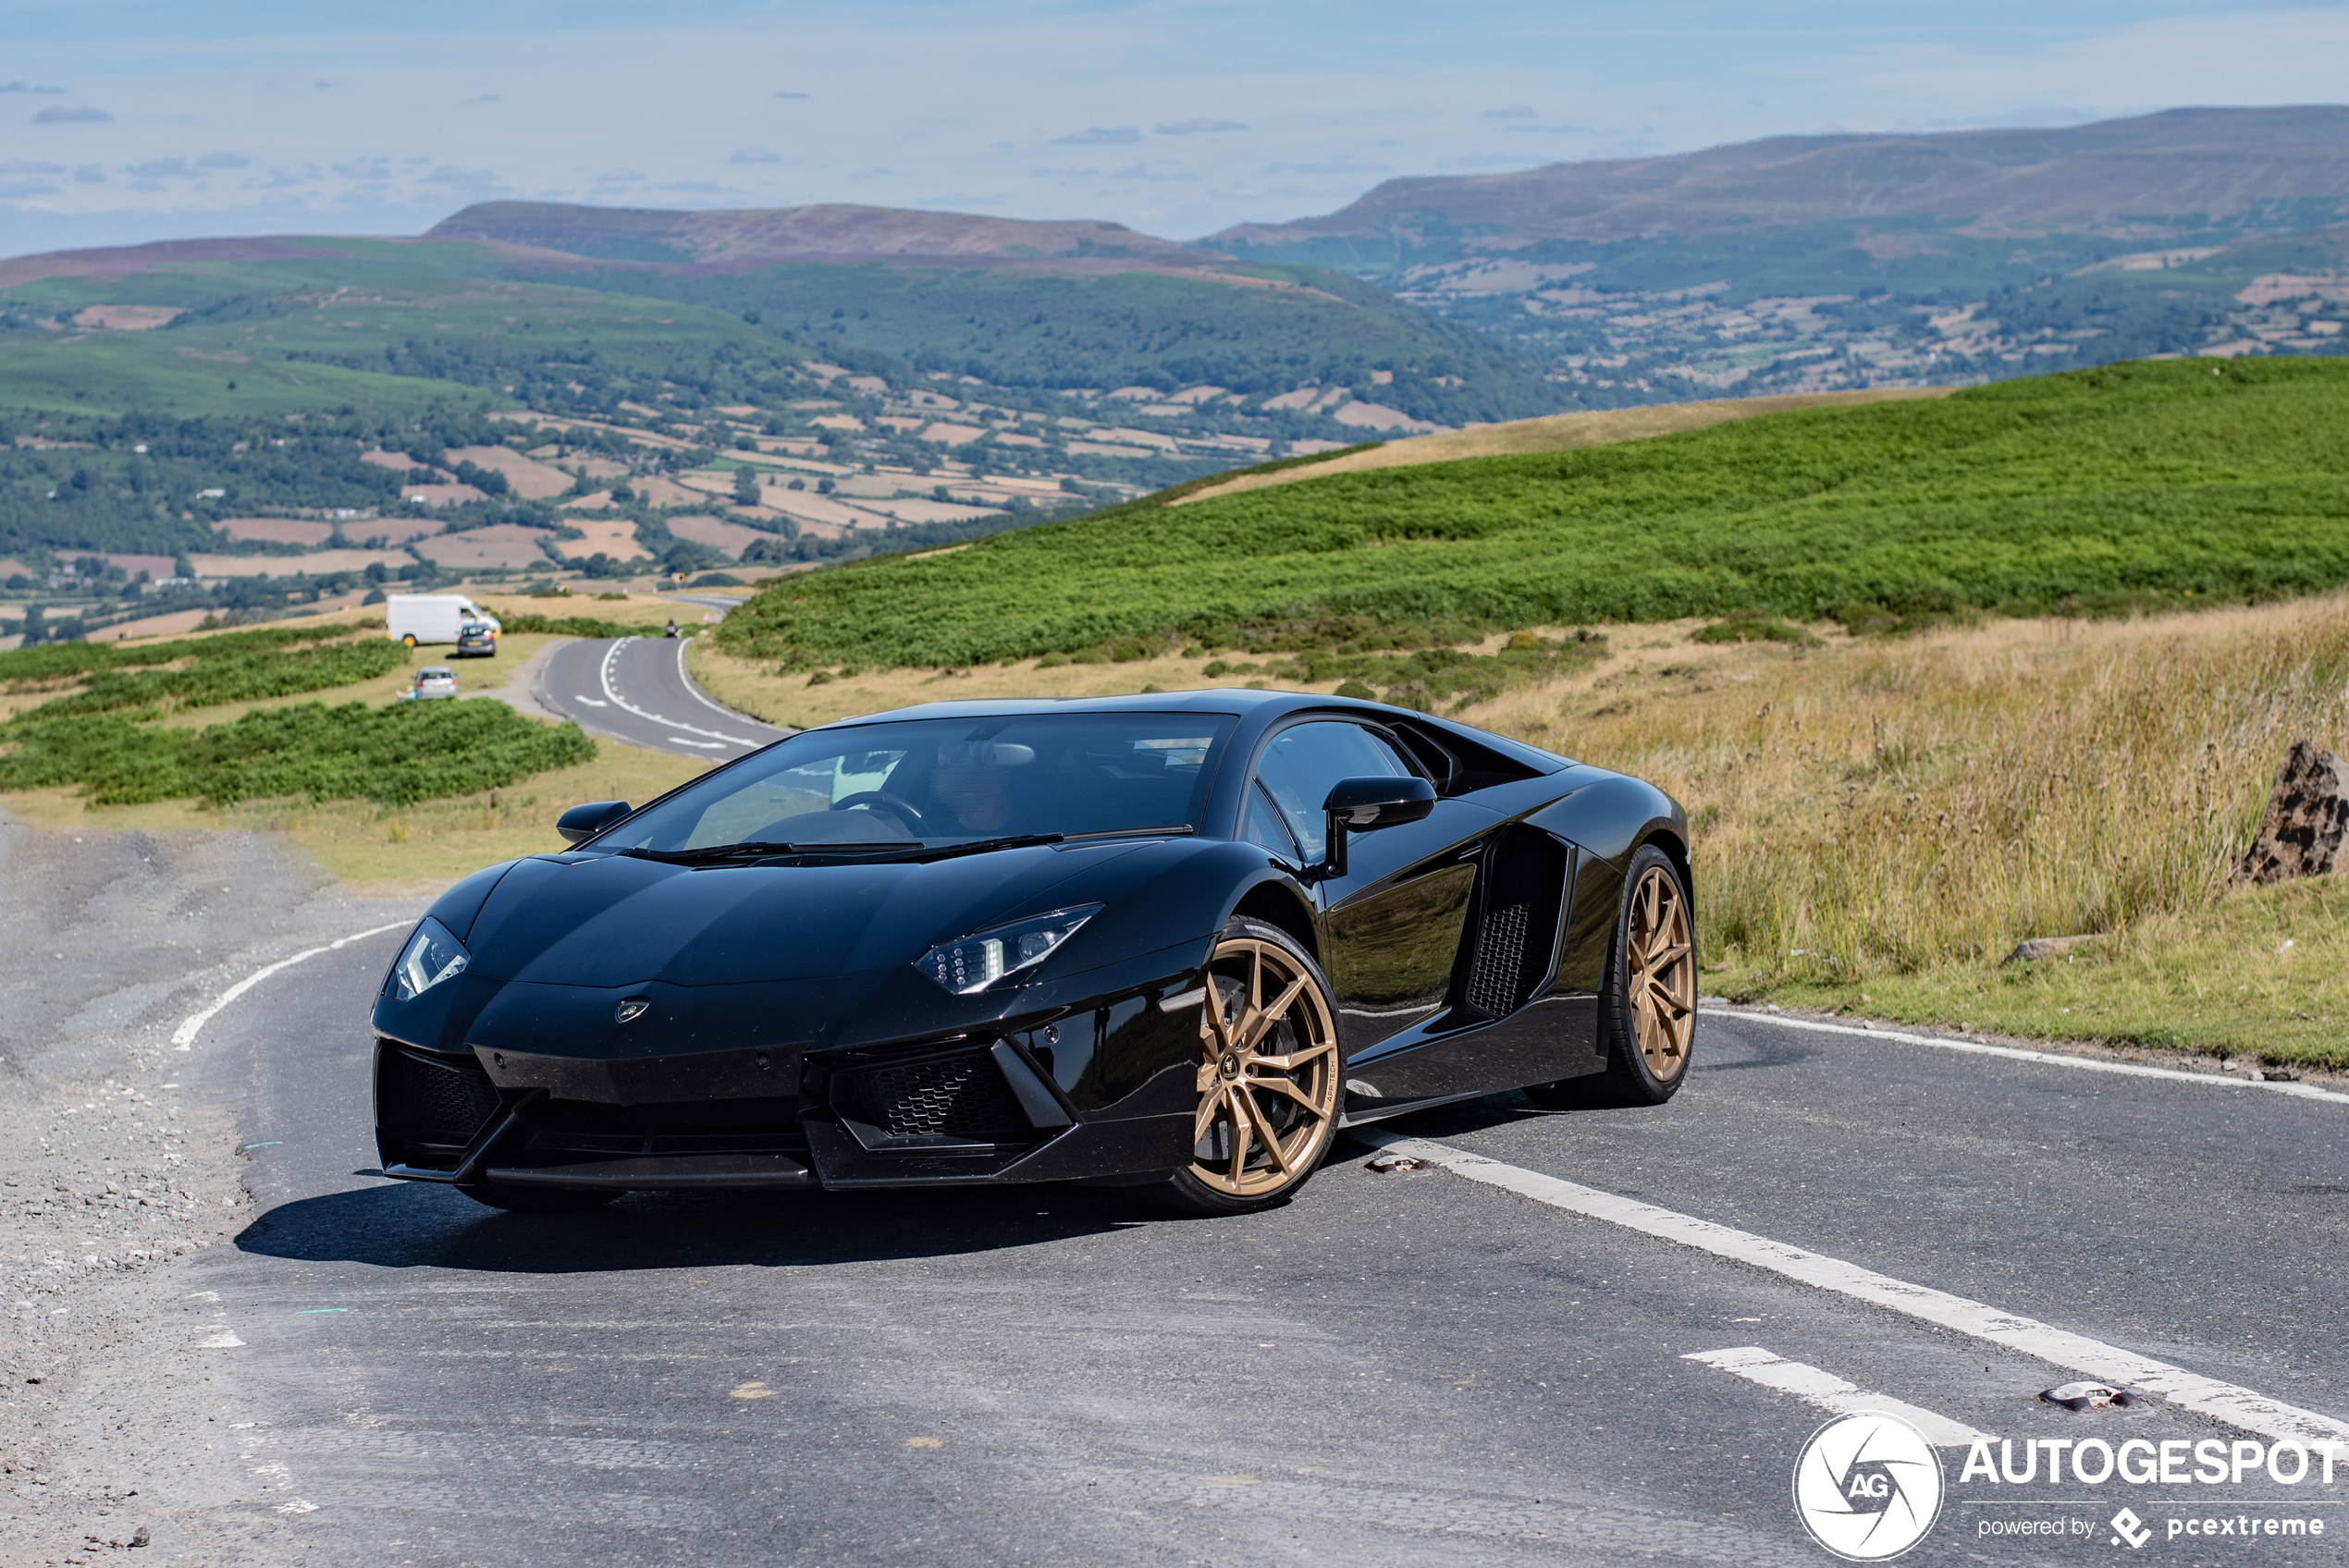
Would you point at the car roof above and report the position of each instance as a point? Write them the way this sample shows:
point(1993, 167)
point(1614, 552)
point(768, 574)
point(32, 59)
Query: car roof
point(437, 669)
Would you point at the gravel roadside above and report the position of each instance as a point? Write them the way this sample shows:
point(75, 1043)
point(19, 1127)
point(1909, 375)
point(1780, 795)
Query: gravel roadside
point(121, 1407)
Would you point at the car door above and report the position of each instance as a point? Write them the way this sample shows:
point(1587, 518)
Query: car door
point(1396, 918)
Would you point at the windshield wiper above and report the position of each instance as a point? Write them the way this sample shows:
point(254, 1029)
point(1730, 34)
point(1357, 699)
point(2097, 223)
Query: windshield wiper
point(715, 853)
point(1027, 840)
point(752, 851)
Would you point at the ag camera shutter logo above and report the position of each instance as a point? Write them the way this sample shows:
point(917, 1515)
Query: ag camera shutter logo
point(1868, 1486)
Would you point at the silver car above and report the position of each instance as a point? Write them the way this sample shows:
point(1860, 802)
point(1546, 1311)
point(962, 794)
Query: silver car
point(434, 680)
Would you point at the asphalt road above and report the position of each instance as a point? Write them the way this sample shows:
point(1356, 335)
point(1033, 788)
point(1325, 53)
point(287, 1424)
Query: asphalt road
point(636, 690)
point(1394, 1368)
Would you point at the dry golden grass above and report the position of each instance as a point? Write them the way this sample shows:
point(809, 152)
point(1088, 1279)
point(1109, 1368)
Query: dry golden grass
point(755, 687)
point(1559, 433)
point(1877, 825)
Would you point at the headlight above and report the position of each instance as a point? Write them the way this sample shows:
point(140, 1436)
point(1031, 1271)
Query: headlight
point(432, 956)
point(974, 962)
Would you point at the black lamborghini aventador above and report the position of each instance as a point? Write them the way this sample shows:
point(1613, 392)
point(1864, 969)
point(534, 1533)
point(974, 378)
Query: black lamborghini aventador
point(1168, 942)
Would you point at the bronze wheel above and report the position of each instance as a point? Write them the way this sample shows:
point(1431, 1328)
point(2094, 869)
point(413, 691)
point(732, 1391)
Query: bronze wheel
point(1662, 982)
point(1268, 1076)
point(1647, 999)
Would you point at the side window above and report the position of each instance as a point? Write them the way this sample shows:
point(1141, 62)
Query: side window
point(1263, 827)
point(1304, 761)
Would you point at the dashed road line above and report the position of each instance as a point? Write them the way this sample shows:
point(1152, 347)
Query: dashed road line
point(612, 693)
point(2108, 1363)
point(185, 1036)
point(1835, 1396)
point(2045, 1058)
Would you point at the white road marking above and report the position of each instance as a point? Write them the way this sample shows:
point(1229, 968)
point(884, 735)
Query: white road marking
point(2048, 1059)
point(185, 1036)
point(612, 693)
point(225, 1340)
point(591, 702)
point(692, 690)
point(705, 745)
point(1831, 1393)
point(2060, 1347)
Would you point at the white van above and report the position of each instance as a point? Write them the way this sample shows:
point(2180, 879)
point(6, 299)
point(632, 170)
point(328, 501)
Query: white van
point(414, 619)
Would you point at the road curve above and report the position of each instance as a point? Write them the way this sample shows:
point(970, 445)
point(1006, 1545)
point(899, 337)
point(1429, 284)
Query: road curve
point(636, 690)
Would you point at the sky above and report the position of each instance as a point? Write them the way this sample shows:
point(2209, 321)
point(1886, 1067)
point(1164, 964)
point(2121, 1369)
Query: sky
point(150, 119)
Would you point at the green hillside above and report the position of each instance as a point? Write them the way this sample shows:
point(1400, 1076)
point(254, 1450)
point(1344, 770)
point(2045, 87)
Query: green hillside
point(2143, 481)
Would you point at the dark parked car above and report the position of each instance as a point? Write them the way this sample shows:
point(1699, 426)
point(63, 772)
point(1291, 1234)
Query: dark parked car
point(1169, 942)
point(476, 640)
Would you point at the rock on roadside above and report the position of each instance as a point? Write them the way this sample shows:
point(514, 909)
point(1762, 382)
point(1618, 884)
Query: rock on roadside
point(2306, 817)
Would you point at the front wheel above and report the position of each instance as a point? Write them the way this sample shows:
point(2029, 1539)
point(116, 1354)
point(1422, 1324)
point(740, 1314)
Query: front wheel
point(1268, 1077)
point(1647, 1003)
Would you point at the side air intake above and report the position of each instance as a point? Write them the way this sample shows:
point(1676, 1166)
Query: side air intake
point(1521, 891)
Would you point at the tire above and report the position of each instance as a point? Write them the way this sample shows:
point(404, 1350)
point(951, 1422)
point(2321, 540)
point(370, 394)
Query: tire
point(409, 641)
point(1257, 1146)
point(538, 1200)
point(1647, 996)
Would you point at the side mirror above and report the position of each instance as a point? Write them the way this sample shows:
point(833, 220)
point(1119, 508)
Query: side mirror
point(585, 822)
point(1367, 804)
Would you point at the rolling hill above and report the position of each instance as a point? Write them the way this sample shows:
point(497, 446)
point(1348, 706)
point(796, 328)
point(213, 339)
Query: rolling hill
point(842, 378)
point(2131, 483)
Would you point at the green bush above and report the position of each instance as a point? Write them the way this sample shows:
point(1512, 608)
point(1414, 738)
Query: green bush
point(394, 755)
point(2194, 479)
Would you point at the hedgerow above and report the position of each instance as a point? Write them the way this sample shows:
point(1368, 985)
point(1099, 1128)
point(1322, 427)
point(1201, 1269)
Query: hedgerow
point(394, 755)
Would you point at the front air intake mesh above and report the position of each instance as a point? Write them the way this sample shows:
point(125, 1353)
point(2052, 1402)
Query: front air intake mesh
point(960, 1097)
point(431, 1100)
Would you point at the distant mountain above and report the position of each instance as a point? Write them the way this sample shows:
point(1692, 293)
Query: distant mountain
point(1057, 305)
point(832, 232)
point(1822, 262)
point(2132, 180)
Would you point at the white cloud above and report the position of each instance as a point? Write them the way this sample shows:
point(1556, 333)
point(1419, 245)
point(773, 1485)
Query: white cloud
point(57, 114)
point(1117, 136)
point(754, 156)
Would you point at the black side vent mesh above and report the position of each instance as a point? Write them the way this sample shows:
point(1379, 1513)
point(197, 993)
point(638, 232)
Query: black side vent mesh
point(1524, 886)
point(433, 1102)
point(1495, 982)
point(955, 1096)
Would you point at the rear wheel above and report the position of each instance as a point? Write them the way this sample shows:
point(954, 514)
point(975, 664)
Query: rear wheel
point(1647, 1004)
point(409, 641)
point(536, 1200)
point(1268, 1076)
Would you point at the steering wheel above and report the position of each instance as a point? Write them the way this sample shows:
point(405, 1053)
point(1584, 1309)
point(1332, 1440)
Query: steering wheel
point(896, 805)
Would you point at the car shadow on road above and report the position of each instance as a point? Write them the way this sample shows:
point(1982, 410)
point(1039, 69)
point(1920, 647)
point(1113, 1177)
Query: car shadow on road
point(411, 1225)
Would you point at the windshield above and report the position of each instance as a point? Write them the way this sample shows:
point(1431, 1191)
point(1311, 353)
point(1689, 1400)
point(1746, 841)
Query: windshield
point(948, 781)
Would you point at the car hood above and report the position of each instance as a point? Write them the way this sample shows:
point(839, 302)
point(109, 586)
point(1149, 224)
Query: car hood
point(616, 920)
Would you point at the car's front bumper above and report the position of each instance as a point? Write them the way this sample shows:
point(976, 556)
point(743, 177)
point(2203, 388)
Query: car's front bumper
point(1092, 1080)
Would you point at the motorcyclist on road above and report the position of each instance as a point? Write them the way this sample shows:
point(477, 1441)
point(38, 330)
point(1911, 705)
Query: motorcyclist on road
point(673, 630)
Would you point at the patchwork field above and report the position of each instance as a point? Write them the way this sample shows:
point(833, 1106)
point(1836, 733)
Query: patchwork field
point(282, 530)
point(717, 533)
point(500, 544)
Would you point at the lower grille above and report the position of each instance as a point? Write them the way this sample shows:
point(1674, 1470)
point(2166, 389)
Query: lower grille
point(430, 1100)
point(953, 1097)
